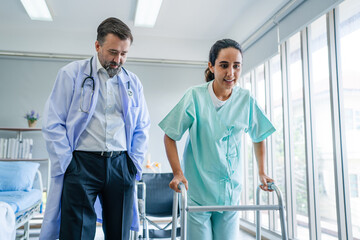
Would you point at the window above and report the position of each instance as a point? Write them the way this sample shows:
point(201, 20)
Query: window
point(261, 100)
point(312, 107)
point(278, 136)
point(260, 86)
point(349, 51)
point(249, 190)
point(297, 145)
point(321, 129)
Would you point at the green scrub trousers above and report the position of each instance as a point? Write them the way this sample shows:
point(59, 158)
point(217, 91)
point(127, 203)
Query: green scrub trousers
point(212, 225)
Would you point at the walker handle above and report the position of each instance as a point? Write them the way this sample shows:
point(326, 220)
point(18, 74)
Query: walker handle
point(271, 185)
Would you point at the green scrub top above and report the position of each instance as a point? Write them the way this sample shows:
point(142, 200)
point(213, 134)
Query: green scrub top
point(212, 158)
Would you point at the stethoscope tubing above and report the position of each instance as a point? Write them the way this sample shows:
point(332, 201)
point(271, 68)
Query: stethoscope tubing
point(129, 92)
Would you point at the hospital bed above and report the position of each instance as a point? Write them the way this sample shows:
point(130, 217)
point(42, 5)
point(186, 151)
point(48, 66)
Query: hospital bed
point(24, 202)
point(185, 208)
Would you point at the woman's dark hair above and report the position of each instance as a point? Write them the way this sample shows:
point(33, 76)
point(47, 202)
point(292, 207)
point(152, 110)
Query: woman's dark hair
point(114, 26)
point(214, 52)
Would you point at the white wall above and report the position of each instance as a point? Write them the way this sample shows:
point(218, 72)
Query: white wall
point(164, 85)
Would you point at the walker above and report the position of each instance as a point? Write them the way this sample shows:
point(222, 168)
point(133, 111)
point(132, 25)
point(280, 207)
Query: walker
point(185, 208)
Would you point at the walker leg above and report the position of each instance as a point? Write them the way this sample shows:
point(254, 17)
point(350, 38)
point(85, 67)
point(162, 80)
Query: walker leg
point(282, 222)
point(281, 212)
point(174, 216)
point(258, 216)
point(183, 217)
point(183, 211)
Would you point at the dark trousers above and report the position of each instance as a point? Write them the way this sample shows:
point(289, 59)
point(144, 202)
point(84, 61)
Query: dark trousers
point(90, 175)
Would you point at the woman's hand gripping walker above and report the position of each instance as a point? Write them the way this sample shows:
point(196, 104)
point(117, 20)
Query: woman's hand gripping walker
point(174, 184)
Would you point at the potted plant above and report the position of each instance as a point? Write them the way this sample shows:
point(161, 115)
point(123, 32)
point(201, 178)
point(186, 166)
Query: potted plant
point(32, 118)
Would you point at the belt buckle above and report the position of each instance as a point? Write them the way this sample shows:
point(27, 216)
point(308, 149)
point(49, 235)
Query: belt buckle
point(106, 154)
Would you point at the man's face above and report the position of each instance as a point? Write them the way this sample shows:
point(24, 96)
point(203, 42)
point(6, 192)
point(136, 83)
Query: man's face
point(112, 53)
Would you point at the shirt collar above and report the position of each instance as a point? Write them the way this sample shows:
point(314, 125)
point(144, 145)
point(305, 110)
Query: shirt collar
point(98, 64)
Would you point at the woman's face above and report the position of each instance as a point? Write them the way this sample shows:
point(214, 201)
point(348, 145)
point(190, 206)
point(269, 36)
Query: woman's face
point(227, 68)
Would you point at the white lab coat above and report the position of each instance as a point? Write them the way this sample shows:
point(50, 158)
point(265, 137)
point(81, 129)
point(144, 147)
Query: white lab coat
point(63, 123)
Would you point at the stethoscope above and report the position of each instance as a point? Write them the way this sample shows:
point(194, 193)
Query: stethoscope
point(91, 78)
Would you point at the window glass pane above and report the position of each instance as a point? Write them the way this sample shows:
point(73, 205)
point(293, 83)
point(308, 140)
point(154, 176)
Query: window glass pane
point(299, 183)
point(249, 188)
point(278, 136)
point(349, 50)
point(260, 86)
point(260, 98)
point(354, 185)
point(247, 82)
point(322, 134)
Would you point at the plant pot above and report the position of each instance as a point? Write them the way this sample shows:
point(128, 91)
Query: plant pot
point(32, 124)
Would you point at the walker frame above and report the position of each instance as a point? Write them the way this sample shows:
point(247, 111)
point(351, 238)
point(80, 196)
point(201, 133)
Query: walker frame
point(184, 208)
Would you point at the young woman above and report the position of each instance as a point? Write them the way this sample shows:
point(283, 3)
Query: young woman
point(217, 114)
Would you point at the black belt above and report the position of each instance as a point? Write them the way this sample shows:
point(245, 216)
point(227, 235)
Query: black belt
point(106, 154)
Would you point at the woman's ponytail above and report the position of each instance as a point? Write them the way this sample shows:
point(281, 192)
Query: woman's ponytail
point(209, 75)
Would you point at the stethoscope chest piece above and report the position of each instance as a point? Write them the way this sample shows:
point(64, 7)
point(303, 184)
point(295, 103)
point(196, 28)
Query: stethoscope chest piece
point(130, 93)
